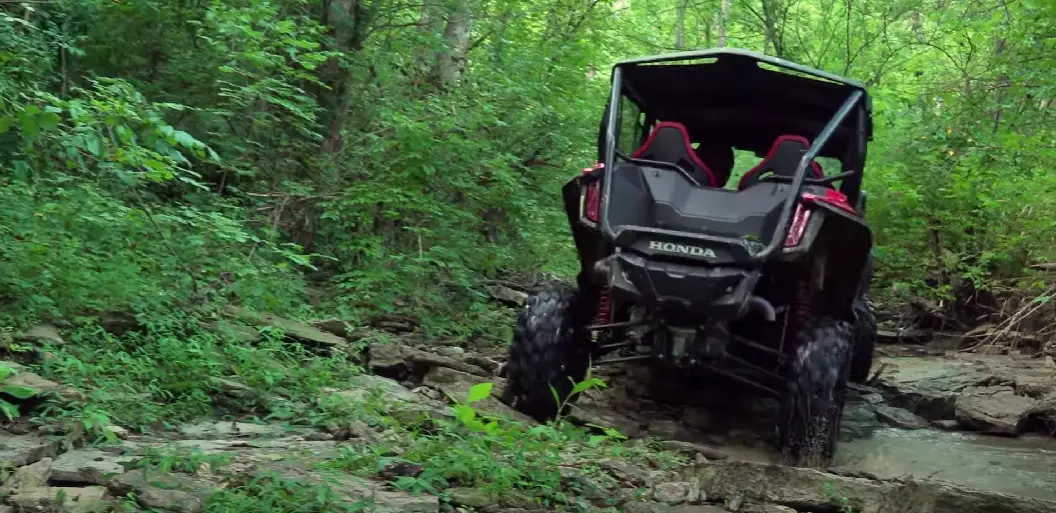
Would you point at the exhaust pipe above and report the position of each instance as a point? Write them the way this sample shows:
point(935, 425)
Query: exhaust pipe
point(761, 305)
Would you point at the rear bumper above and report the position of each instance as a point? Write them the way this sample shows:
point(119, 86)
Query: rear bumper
point(720, 292)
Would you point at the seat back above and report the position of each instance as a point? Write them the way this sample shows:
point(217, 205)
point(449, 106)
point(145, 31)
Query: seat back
point(669, 142)
point(782, 160)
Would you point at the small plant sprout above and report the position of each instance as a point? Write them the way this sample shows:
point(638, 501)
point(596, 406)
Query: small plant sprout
point(18, 392)
point(589, 382)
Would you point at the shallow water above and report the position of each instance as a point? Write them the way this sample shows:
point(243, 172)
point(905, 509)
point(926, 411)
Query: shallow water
point(1020, 466)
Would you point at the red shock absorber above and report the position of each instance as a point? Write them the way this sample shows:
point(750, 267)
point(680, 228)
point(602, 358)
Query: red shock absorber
point(604, 315)
point(798, 312)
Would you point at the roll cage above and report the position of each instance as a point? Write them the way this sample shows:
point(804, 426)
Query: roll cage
point(747, 99)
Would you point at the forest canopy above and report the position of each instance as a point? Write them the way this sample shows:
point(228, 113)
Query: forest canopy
point(389, 156)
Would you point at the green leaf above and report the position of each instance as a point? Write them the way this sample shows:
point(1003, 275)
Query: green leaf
point(184, 139)
point(49, 121)
point(5, 123)
point(17, 391)
point(93, 144)
point(9, 410)
point(5, 372)
point(479, 392)
point(30, 129)
point(581, 387)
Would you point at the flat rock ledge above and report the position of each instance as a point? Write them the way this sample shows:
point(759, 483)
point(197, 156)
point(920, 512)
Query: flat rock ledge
point(1005, 395)
point(813, 490)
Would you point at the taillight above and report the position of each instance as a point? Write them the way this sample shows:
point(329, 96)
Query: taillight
point(799, 226)
point(593, 210)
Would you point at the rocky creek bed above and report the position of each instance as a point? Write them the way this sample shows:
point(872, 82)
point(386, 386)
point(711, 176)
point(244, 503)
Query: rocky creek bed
point(936, 433)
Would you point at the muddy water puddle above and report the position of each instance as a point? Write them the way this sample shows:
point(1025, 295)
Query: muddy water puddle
point(1019, 466)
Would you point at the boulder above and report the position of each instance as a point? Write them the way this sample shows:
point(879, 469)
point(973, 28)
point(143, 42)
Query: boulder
point(999, 394)
point(507, 295)
point(929, 386)
point(456, 385)
point(232, 430)
point(231, 388)
point(899, 417)
point(994, 409)
point(1043, 415)
point(366, 386)
point(405, 363)
point(336, 327)
point(169, 492)
point(91, 499)
point(22, 377)
point(814, 490)
point(43, 333)
point(118, 431)
point(237, 331)
point(88, 467)
point(859, 421)
point(954, 499)
point(407, 406)
point(1036, 383)
point(34, 475)
point(798, 488)
point(589, 413)
point(675, 492)
point(292, 329)
point(21, 450)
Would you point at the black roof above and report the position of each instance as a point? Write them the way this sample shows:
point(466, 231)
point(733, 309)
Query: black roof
point(741, 97)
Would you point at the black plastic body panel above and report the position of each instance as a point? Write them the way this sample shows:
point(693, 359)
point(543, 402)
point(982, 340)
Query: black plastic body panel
point(847, 242)
point(718, 291)
point(659, 198)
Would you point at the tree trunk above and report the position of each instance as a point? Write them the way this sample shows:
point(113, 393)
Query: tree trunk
point(680, 24)
point(770, 28)
point(449, 65)
point(348, 22)
point(724, 16)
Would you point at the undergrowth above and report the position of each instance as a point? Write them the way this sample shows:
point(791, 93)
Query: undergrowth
point(501, 460)
point(173, 369)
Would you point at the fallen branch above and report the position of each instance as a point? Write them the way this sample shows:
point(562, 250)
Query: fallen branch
point(1007, 326)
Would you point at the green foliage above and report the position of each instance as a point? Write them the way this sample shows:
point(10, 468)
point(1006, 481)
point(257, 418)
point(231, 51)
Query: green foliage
point(847, 504)
point(160, 160)
point(181, 459)
point(10, 410)
point(172, 371)
point(589, 382)
point(498, 457)
point(272, 494)
point(469, 416)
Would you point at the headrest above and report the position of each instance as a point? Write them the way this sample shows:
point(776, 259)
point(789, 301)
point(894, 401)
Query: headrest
point(782, 159)
point(669, 142)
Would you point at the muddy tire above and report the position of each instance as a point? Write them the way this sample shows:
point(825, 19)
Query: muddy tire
point(864, 340)
point(551, 348)
point(816, 389)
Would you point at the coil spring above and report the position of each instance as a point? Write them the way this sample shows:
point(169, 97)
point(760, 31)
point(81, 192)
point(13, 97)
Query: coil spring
point(604, 315)
point(799, 310)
